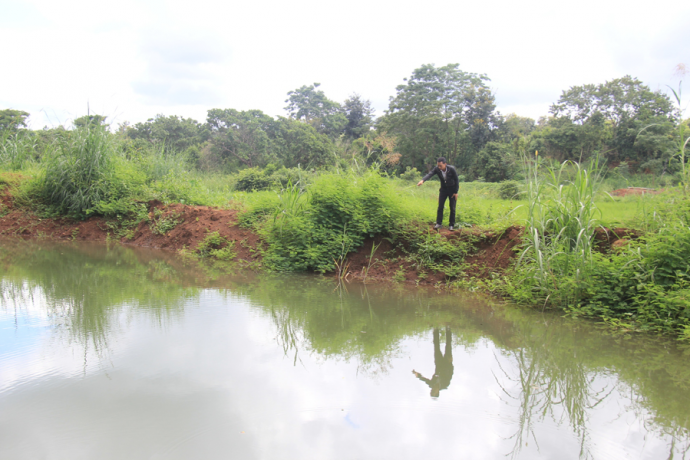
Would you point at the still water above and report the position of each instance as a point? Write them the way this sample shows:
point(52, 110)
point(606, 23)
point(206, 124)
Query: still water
point(117, 353)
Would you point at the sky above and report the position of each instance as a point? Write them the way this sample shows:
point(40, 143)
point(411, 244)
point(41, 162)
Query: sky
point(130, 60)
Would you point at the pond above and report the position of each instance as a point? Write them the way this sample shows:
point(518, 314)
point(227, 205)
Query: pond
point(116, 352)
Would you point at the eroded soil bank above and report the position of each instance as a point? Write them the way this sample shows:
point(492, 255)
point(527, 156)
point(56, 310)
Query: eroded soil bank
point(490, 252)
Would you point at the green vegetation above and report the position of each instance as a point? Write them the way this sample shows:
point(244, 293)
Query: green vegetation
point(317, 183)
point(217, 247)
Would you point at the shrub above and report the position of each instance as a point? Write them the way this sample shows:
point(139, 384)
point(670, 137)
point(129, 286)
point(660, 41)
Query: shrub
point(509, 190)
point(310, 231)
point(252, 179)
point(411, 175)
point(217, 246)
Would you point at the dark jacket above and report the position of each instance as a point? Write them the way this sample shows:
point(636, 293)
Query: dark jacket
point(451, 184)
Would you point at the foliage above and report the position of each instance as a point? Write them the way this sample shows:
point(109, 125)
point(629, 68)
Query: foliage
point(561, 220)
point(162, 223)
point(495, 162)
point(12, 121)
point(252, 179)
point(80, 174)
point(411, 175)
point(177, 134)
point(608, 117)
point(89, 121)
point(310, 105)
point(309, 232)
point(360, 116)
point(509, 190)
point(17, 151)
point(216, 246)
point(441, 111)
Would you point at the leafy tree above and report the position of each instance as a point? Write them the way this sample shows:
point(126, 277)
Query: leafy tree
point(360, 116)
point(176, 133)
point(299, 144)
point(253, 138)
point(12, 121)
point(241, 136)
point(310, 105)
point(514, 126)
point(89, 120)
point(564, 139)
point(441, 111)
point(495, 162)
point(611, 116)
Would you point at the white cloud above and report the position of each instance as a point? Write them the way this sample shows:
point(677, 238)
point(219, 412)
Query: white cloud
point(132, 60)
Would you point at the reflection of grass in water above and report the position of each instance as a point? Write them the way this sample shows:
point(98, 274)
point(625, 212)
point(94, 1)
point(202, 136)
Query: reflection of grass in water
point(90, 287)
point(86, 287)
point(547, 379)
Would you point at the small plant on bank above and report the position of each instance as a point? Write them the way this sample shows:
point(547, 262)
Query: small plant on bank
point(216, 246)
point(161, 224)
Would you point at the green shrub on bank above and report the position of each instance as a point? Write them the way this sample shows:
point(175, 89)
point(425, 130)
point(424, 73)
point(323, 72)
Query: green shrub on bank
point(312, 230)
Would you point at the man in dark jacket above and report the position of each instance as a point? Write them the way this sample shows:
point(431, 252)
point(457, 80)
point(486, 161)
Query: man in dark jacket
point(449, 190)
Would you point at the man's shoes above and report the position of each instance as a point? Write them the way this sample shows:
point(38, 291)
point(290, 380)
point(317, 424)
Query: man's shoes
point(437, 226)
point(450, 228)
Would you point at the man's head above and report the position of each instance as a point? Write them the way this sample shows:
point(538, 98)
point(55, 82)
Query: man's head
point(441, 163)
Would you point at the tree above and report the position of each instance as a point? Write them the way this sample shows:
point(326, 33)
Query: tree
point(299, 144)
point(89, 120)
point(310, 105)
point(176, 133)
point(12, 121)
point(240, 136)
point(615, 112)
point(360, 116)
point(514, 126)
point(441, 111)
point(253, 138)
point(495, 162)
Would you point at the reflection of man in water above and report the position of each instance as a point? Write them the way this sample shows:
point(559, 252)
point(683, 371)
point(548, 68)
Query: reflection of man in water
point(444, 365)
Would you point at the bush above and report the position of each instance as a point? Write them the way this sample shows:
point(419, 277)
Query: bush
point(252, 179)
point(311, 231)
point(509, 190)
point(411, 175)
point(216, 246)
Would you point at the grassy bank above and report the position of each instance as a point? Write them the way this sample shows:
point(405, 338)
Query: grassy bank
point(313, 220)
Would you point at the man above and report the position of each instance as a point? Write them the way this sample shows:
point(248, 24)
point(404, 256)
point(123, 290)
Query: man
point(449, 190)
point(443, 363)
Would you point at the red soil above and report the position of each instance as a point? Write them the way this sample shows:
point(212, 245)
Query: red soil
point(492, 252)
point(634, 191)
point(196, 223)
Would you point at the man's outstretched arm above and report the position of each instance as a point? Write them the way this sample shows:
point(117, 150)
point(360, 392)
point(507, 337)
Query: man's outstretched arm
point(421, 377)
point(427, 177)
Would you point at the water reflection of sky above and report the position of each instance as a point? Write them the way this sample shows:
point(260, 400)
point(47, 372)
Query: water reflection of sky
point(214, 383)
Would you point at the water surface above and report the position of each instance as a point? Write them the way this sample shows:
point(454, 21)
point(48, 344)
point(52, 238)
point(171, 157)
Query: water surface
point(115, 353)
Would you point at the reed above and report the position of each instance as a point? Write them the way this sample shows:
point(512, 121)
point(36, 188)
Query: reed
point(77, 174)
point(561, 220)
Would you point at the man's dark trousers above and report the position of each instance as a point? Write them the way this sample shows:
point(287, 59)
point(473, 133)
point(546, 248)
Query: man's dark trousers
point(444, 194)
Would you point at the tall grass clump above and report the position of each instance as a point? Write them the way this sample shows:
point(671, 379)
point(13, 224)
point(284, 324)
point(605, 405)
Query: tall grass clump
point(81, 171)
point(17, 152)
point(561, 220)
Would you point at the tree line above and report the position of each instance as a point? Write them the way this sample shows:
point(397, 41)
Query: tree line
point(437, 111)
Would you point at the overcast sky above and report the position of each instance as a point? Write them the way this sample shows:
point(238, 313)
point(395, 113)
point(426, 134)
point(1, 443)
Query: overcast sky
point(130, 60)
